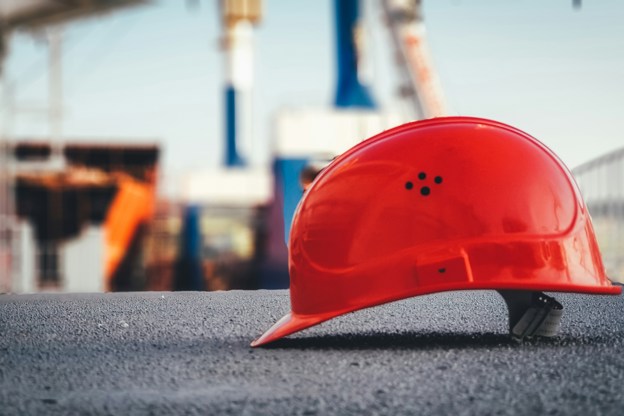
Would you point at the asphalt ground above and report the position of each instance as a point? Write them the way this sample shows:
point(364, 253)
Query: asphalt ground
point(188, 353)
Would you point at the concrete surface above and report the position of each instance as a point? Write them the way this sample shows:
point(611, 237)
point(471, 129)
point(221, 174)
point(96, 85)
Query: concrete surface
point(188, 353)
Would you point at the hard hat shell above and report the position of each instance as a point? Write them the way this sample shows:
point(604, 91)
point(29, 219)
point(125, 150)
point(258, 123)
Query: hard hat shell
point(449, 203)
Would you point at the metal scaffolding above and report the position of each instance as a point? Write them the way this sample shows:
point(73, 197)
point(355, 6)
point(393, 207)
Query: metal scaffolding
point(602, 185)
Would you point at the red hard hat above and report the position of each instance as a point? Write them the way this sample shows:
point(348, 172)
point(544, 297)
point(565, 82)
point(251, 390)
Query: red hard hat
point(443, 204)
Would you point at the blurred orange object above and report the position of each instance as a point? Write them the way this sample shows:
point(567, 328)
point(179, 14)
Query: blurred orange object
point(132, 206)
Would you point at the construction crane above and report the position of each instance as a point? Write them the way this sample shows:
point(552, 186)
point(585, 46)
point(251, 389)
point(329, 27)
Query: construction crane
point(419, 80)
point(239, 18)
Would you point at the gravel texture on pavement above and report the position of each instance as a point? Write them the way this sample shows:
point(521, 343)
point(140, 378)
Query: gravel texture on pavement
point(188, 353)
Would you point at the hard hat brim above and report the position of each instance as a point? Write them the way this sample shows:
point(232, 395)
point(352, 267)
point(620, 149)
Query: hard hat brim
point(289, 324)
point(293, 322)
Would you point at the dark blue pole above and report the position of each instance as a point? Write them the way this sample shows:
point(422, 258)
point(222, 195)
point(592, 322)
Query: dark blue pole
point(188, 273)
point(349, 90)
point(232, 158)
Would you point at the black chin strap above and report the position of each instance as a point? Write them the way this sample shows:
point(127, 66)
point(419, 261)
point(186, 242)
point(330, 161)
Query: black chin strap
point(532, 314)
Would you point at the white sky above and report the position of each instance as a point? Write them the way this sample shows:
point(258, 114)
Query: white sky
point(155, 73)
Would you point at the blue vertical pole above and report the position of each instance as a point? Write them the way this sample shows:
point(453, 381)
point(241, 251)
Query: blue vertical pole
point(350, 92)
point(232, 157)
point(287, 173)
point(188, 273)
point(239, 68)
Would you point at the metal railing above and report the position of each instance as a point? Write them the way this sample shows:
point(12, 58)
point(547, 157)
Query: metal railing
point(601, 181)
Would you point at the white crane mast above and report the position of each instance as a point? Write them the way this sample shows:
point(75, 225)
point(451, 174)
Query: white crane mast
point(420, 82)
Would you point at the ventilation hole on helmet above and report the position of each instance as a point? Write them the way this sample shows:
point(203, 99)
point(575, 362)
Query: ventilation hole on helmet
point(425, 190)
point(442, 270)
point(409, 185)
point(438, 179)
point(422, 176)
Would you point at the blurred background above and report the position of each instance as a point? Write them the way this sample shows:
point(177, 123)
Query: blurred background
point(164, 145)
